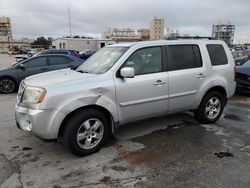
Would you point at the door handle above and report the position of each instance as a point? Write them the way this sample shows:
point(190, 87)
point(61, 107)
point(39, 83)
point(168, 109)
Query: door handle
point(201, 75)
point(159, 82)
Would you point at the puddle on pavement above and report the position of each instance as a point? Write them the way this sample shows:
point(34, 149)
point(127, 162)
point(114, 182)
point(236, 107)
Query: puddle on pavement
point(232, 117)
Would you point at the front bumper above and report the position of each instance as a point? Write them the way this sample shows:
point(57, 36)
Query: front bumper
point(39, 122)
point(243, 84)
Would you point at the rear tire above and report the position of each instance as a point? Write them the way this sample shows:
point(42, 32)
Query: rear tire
point(211, 108)
point(86, 131)
point(7, 85)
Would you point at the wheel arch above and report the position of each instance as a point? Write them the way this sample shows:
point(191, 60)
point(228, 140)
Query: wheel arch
point(217, 88)
point(107, 113)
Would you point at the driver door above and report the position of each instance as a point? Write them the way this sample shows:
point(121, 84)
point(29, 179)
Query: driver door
point(145, 95)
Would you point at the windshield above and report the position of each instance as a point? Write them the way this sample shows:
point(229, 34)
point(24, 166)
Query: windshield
point(102, 60)
point(246, 64)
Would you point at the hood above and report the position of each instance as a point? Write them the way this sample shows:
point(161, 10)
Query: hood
point(4, 69)
point(55, 77)
point(243, 70)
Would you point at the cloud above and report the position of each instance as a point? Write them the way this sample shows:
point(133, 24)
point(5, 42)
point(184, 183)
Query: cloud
point(50, 18)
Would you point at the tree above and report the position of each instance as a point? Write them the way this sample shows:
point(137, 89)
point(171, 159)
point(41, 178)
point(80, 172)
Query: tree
point(42, 42)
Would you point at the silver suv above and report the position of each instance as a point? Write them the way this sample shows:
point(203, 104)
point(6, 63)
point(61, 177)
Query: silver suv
point(125, 82)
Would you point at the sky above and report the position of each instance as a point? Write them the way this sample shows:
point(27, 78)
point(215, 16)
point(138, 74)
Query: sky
point(34, 18)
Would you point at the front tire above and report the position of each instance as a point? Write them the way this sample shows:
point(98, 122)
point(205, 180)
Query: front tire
point(86, 131)
point(211, 108)
point(7, 86)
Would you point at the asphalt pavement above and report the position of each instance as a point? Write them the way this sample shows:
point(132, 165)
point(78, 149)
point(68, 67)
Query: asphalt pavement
point(170, 151)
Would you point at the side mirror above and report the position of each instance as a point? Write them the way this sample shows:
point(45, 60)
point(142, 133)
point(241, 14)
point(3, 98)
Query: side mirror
point(127, 72)
point(22, 66)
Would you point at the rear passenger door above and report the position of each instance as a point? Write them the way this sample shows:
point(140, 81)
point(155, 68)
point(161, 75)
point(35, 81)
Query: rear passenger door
point(186, 75)
point(59, 62)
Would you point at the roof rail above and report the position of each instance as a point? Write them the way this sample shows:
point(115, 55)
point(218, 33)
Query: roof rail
point(191, 37)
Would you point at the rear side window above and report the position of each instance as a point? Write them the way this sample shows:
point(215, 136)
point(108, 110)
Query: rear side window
point(217, 54)
point(58, 60)
point(183, 57)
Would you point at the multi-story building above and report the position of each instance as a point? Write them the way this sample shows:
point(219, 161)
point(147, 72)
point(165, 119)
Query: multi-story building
point(157, 29)
point(5, 29)
point(224, 32)
point(119, 33)
point(143, 33)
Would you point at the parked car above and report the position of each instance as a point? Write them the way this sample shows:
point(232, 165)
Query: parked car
point(57, 51)
point(239, 57)
point(31, 52)
point(11, 77)
point(126, 82)
point(243, 77)
point(86, 54)
point(21, 58)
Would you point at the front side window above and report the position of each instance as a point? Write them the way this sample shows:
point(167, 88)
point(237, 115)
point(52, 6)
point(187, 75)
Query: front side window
point(102, 60)
point(183, 57)
point(145, 61)
point(217, 54)
point(36, 62)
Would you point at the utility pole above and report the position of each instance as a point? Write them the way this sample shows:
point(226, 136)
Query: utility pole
point(70, 32)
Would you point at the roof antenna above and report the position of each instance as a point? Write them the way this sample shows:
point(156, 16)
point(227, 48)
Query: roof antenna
point(69, 15)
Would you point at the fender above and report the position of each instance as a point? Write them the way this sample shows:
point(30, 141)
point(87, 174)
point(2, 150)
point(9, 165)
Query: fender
point(66, 109)
point(215, 82)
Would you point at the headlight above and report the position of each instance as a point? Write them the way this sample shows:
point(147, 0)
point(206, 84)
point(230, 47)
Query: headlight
point(33, 95)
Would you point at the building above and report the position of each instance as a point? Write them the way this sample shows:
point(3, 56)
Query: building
point(118, 32)
point(143, 33)
point(224, 32)
point(23, 43)
point(157, 29)
point(173, 34)
point(5, 29)
point(81, 44)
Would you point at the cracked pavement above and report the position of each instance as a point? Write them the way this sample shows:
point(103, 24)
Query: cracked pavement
point(171, 151)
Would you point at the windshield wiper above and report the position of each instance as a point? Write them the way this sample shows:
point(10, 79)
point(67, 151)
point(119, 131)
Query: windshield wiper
point(82, 71)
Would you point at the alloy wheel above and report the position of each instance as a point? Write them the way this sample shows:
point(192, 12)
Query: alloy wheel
point(90, 133)
point(213, 108)
point(7, 86)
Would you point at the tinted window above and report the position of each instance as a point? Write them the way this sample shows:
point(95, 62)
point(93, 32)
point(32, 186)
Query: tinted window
point(246, 64)
point(183, 57)
point(147, 60)
point(58, 60)
point(56, 52)
point(36, 62)
point(217, 54)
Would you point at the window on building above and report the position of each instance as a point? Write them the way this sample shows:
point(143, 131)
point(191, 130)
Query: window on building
point(146, 60)
point(183, 57)
point(217, 54)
